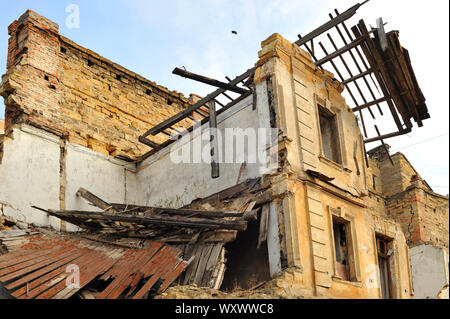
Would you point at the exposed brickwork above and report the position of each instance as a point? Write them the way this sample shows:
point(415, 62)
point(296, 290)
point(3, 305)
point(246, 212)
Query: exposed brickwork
point(396, 178)
point(57, 85)
point(422, 214)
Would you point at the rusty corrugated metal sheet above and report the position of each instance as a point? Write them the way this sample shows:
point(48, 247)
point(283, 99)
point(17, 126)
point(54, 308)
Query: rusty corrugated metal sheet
point(38, 270)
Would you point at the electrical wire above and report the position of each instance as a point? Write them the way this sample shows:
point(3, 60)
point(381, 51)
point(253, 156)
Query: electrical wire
point(421, 142)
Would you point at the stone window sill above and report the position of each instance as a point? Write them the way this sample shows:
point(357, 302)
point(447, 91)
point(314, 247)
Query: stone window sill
point(353, 283)
point(333, 164)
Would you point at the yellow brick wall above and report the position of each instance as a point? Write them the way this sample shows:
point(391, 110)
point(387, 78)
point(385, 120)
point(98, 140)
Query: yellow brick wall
point(55, 84)
point(106, 113)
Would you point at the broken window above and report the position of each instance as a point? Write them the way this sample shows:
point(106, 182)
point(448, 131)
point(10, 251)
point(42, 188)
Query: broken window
point(330, 135)
point(345, 264)
point(384, 267)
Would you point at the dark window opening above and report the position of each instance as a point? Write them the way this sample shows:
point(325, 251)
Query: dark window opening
point(343, 249)
point(46, 78)
point(148, 92)
point(246, 265)
point(90, 63)
point(169, 102)
point(384, 267)
point(330, 135)
point(63, 50)
point(118, 77)
point(374, 182)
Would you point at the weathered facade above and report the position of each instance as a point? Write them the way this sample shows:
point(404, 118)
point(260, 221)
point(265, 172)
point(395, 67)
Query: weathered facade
point(330, 222)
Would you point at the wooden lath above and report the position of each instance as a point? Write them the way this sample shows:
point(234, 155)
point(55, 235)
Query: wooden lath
point(169, 123)
point(376, 63)
point(167, 225)
point(209, 115)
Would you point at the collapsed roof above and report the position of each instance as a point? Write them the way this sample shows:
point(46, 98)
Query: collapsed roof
point(136, 250)
point(40, 266)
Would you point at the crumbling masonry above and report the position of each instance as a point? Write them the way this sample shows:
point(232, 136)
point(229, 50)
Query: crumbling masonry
point(328, 222)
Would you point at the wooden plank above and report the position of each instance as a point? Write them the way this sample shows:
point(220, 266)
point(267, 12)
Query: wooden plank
point(223, 236)
point(97, 201)
point(206, 251)
point(218, 279)
point(377, 64)
point(176, 211)
point(262, 237)
point(191, 270)
point(214, 140)
point(210, 265)
point(12, 233)
point(182, 115)
point(207, 80)
point(73, 216)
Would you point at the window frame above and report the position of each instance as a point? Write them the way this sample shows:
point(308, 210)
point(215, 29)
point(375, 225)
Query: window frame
point(383, 253)
point(338, 215)
point(326, 105)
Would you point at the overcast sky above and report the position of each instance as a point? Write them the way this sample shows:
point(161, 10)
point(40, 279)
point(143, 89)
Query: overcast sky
point(153, 37)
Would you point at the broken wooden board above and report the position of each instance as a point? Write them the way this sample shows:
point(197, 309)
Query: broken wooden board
point(263, 225)
point(204, 269)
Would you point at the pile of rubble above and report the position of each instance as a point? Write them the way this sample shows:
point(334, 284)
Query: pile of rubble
point(281, 286)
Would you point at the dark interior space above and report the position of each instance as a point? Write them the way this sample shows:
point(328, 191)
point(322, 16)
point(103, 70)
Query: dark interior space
point(246, 265)
point(330, 135)
point(341, 250)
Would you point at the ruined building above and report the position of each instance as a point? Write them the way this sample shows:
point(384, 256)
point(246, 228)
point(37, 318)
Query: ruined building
point(317, 217)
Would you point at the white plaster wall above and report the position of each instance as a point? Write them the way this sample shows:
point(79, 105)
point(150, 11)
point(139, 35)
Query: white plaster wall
point(429, 270)
point(273, 240)
point(97, 173)
point(165, 183)
point(108, 178)
point(29, 175)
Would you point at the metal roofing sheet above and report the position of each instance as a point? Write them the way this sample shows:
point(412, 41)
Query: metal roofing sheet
point(40, 268)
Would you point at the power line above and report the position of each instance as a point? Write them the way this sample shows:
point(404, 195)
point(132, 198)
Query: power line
point(427, 140)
